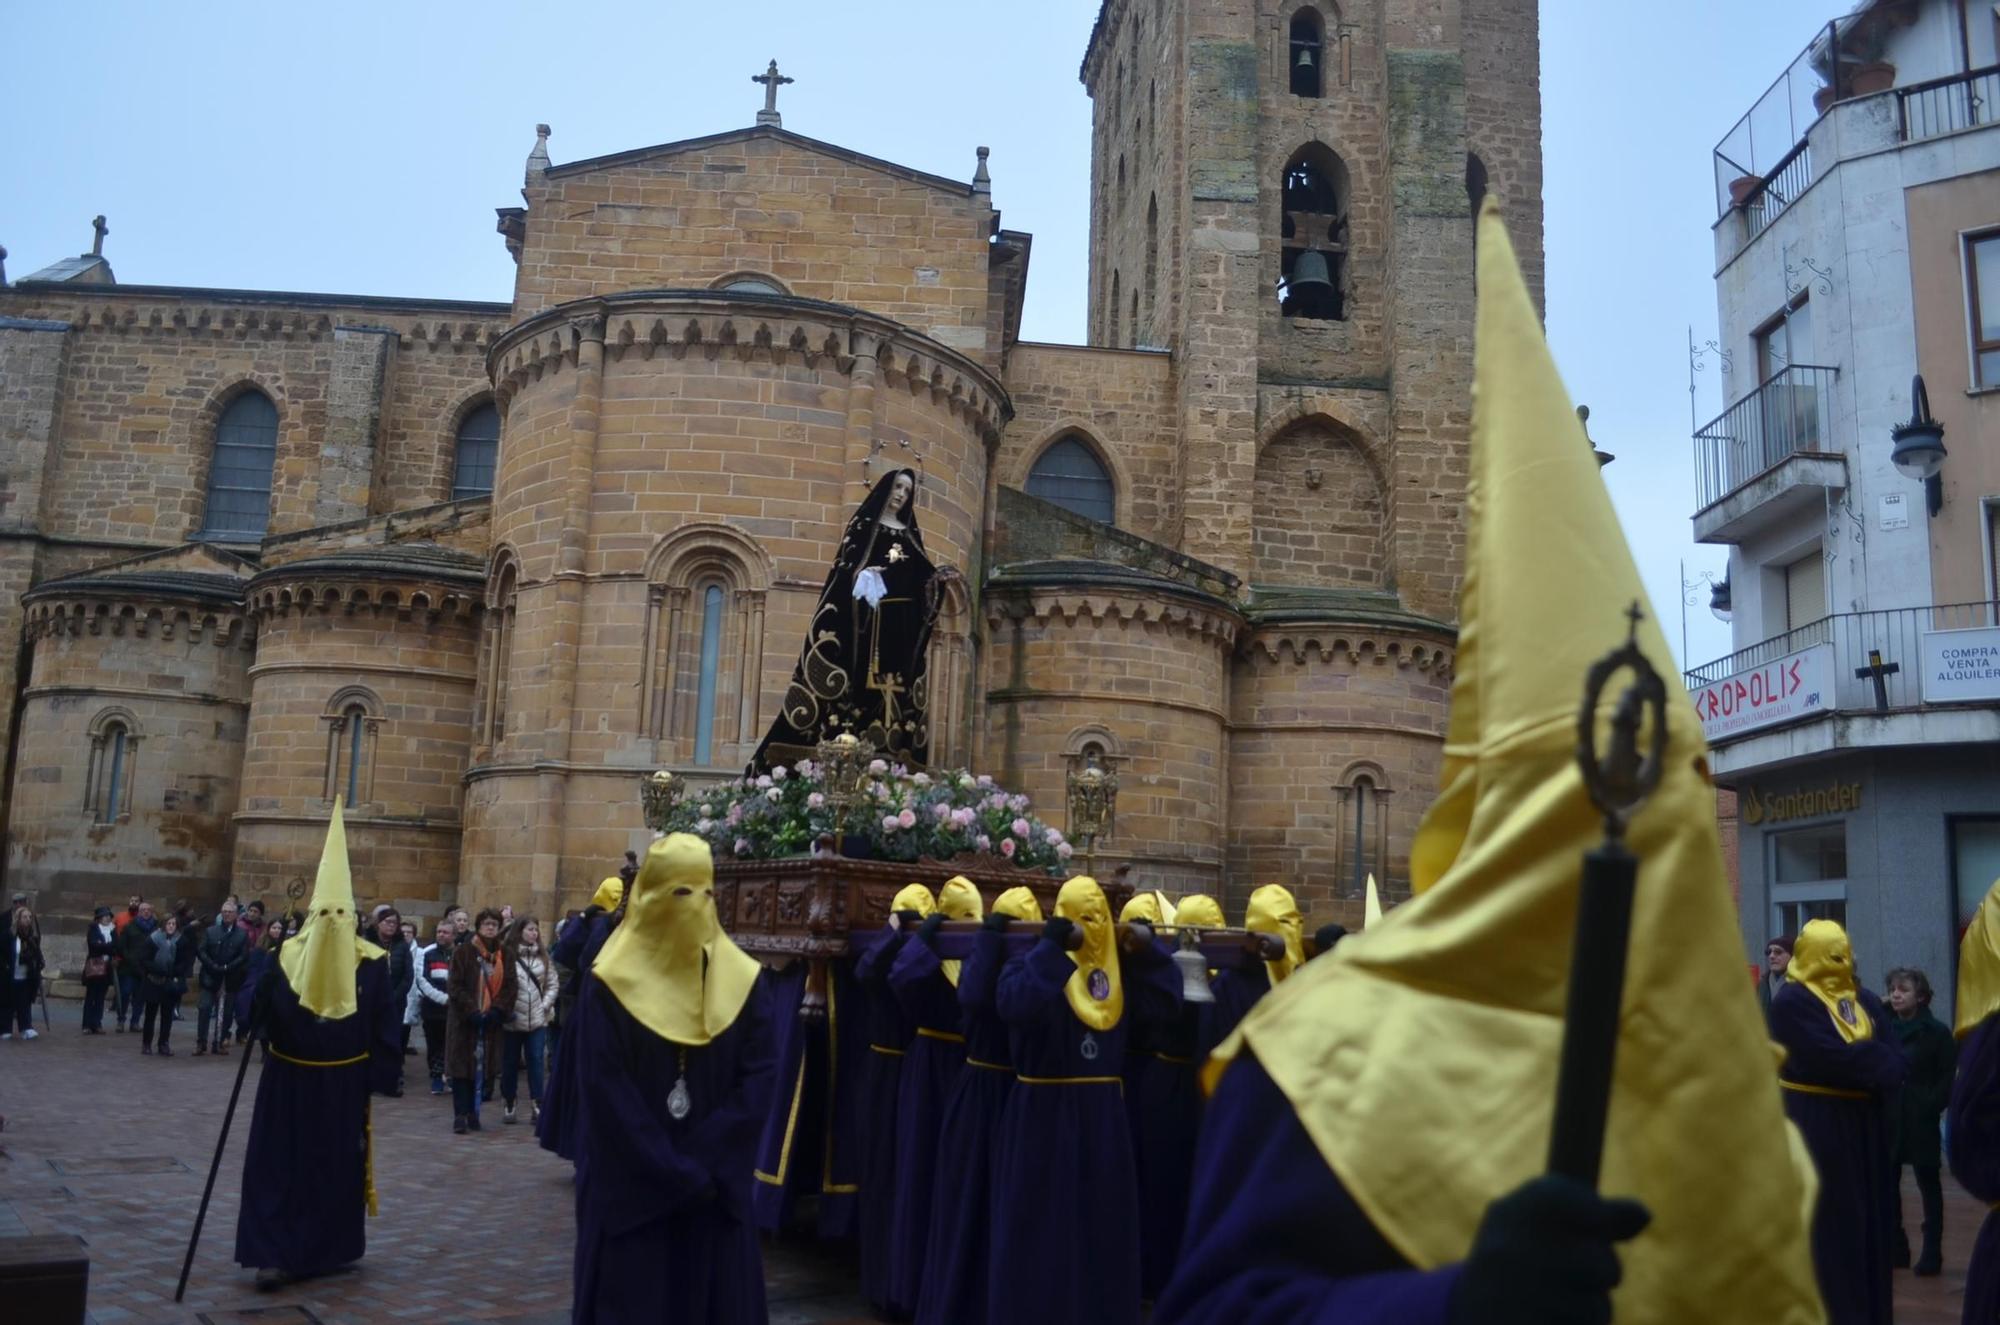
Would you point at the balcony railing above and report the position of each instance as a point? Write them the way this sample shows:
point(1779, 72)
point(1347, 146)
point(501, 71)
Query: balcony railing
point(1790, 414)
point(1791, 176)
point(1897, 634)
point(1947, 105)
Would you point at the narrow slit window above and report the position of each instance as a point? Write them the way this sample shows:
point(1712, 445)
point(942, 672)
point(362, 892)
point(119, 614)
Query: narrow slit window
point(109, 803)
point(711, 658)
point(478, 454)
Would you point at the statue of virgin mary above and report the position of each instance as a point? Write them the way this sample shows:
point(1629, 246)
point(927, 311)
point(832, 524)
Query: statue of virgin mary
point(863, 666)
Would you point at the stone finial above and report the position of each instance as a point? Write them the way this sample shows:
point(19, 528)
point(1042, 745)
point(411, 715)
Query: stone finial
point(981, 181)
point(100, 230)
point(538, 159)
point(772, 81)
point(3, 264)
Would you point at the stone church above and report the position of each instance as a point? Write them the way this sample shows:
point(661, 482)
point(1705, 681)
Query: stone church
point(476, 566)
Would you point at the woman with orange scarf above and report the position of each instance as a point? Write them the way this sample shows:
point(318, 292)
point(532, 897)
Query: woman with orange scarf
point(479, 994)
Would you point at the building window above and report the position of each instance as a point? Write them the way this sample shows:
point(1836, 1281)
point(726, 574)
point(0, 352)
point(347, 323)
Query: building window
point(1805, 591)
point(1308, 53)
point(108, 782)
point(1790, 917)
point(1982, 295)
point(754, 285)
point(1362, 824)
point(1069, 474)
point(1809, 855)
point(1975, 863)
point(1312, 277)
point(352, 725)
point(1116, 288)
point(1121, 181)
point(239, 472)
point(478, 452)
point(1784, 341)
point(711, 660)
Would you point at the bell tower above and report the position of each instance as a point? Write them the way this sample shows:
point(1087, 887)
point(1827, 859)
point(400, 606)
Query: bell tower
point(1278, 201)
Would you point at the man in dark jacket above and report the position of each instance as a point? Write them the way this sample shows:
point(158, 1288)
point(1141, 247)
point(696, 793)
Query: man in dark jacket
point(388, 936)
point(135, 952)
point(1914, 1133)
point(224, 955)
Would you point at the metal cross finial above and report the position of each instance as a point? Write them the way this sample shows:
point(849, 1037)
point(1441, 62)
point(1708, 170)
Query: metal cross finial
point(97, 244)
point(772, 81)
point(1879, 672)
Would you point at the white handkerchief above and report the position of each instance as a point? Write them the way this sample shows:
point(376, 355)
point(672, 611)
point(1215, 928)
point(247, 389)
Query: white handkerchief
point(869, 585)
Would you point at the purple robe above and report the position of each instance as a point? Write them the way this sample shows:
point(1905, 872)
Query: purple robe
point(1065, 1196)
point(785, 1148)
point(576, 949)
point(1236, 992)
point(1273, 1238)
point(931, 1070)
point(889, 1034)
point(663, 1217)
point(305, 1170)
point(1166, 1116)
point(955, 1255)
point(1972, 1135)
point(1848, 1139)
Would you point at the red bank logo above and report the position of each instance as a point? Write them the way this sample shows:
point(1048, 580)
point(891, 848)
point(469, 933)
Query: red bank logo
point(1789, 687)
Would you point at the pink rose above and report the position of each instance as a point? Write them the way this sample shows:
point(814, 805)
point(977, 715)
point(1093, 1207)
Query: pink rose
point(878, 767)
point(779, 774)
point(1054, 838)
point(763, 781)
point(941, 810)
point(890, 823)
point(742, 846)
point(1007, 847)
point(963, 817)
point(814, 800)
point(908, 818)
point(1065, 850)
point(983, 780)
point(985, 842)
point(1020, 827)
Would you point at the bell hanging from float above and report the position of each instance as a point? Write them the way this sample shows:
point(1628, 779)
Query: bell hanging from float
point(1309, 273)
point(1193, 966)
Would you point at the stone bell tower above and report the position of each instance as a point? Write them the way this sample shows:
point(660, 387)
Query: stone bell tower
point(1278, 199)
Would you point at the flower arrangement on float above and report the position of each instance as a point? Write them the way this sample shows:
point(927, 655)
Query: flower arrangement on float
point(906, 816)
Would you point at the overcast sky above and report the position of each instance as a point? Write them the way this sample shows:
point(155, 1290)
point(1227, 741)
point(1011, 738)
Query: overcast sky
point(362, 148)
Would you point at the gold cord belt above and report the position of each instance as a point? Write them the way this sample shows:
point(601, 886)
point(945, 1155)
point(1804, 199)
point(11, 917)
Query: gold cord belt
point(990, 1067)
point(946, 1036)
point(1803, 1089)
point(885, 1049)
point(1071, 1081)
point(1177, 1062)
point(311, 1062)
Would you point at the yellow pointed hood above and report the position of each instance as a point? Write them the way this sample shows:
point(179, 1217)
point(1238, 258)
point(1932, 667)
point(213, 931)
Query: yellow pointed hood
point(1823, 961)
point(668, 963)
point(1423, 1062)
point(959, 900)
point(1979, 966)
point(913, 897)
point(1199, 911)
point(1273, 911)
point(1019, 903)
point(609, 893)
point(1152, 908)
point(1095, 993)
point(319, 961)
point(1371, 906)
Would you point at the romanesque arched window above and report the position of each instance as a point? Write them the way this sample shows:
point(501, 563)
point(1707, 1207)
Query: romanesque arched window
point(1116, 290)
point(478, 452)
point(107, 781)
point(1069, 474)
point(503, 588)
point(1308, 53)
point(353, 726)
point(239, 470)
point(1312, 278)
point(701, 660)
point(1363, 830)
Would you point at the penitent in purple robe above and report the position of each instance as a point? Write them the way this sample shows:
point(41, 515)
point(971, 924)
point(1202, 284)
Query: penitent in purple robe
point(1273, 1238)
point(957, 1251)
point(1065, 1196)
point(785, 1146)
point(889, 1034)
point(931, 1071)
point(1972, 1134)
point(1166, 1125)
point(1236, 992)
point(578, 951)
point(663, 1220)
point(305, 1171)
point(1842, 1117)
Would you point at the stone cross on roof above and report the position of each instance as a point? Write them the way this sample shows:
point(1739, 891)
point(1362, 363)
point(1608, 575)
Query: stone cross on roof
point(97, 245)
point(772, 81)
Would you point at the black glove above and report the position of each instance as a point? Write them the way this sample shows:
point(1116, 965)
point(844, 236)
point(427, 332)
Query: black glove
point(906, 915)
point(998, 922)
point(1543, 1256)
point(1056, 929)
point(928, 930)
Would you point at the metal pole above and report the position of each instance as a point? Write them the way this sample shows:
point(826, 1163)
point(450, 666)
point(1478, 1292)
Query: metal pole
point(215, 1165)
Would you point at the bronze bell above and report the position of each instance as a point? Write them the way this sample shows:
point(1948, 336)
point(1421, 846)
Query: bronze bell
point(1193, 966)
point(1305, 60)
point(1309, 272)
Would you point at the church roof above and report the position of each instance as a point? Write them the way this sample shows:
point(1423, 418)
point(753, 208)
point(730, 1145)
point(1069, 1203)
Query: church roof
point(428, 561)
point(89, 268)
point(200, 585)
point(959, 187)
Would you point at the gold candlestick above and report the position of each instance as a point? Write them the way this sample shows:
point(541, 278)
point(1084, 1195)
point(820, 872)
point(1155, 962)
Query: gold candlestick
point(843, 769)
point(1093, 797)
point(657, 793)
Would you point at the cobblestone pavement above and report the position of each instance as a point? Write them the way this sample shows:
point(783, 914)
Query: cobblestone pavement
point(114, 1147)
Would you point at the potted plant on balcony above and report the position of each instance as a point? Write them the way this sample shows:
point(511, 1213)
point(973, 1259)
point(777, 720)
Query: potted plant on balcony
point(1742, 187)
point(1874, 76)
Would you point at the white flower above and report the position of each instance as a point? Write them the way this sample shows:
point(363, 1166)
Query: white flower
point(779, 774)
point(1054, 838)
point(1065, 850)
point(814, 800)
point(763, 781)
point(890, 823)
point(706, 811)
point(703, 825)
point(878, 767)
point(985, 842)
point(966, 782)
point(742, 846)
point(921, 779)
point(774, 795)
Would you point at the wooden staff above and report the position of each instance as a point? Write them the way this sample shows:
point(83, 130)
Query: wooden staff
point(228, 1115)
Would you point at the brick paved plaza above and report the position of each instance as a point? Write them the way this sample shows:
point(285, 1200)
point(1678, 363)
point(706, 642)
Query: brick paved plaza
point(113, 1147)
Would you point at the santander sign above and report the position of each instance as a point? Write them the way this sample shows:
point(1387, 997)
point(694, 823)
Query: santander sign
point(1794, 686)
